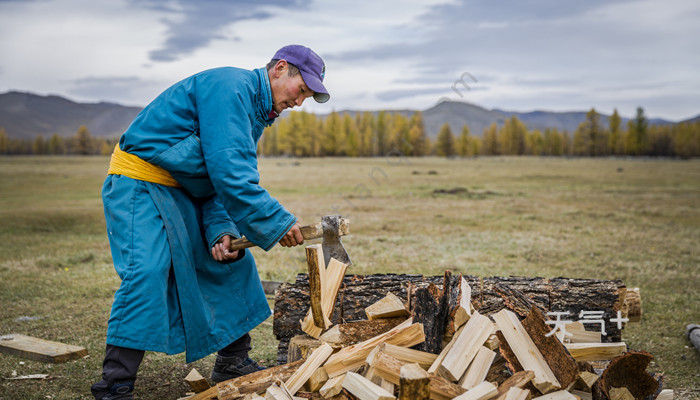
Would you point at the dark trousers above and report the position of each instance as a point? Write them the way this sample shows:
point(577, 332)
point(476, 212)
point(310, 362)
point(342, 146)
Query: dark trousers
point(121, 364)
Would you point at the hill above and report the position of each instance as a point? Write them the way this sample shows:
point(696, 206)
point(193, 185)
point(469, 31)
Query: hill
point(26, 115)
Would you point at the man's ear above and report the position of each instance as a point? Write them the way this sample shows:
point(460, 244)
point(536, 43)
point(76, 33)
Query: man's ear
point(280, 68)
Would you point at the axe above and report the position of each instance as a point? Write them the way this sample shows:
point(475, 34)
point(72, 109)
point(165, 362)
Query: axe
point(331, 228)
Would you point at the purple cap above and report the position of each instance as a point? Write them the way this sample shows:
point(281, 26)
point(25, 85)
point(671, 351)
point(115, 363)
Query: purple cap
point(312, 68)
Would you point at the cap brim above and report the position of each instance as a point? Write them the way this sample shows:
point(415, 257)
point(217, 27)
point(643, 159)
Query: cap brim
point(320, 92)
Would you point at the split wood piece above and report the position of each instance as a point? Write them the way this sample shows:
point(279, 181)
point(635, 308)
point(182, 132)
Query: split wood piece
point(555, 354)
point(629, 370)
point(582, 395)
point(388, 307)
point(478, 369)
point(429, 307)
point(558, 395)
point(633, 303)
point(389, 368)
point(405, 334)
point(252, 396)
point(620, 394)
point(332, 387)
point(435, 366)
point(528, 355)
point(518, 394)
point(482, 391)
point(257, 382)
point(498, 373)
point(357, 331)
point(364, 389)
point(492, 342)
point(519, 380)
point(576, 333)
point(586, 380)
point(308, 232)
point(316, 380)
point(666, 394)
point(388, 386)
point(414, 383)
point(333, 278)
point(278, 391)
point(301, 346)
point(410, 356)
point(315, 360)
point(197, 382)
point(465, 347)
point(463, 311)
point(596, 351)
point(317, 269)
point(39, 349)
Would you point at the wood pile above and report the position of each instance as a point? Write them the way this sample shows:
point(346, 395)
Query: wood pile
point(452, 337)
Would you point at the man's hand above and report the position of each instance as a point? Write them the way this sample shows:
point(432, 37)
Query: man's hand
point(220, 251)
point(293, 237)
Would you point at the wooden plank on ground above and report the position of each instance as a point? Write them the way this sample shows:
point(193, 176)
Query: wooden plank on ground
point(39, 349)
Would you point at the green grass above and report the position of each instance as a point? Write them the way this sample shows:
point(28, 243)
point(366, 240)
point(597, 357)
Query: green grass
point(636, 220)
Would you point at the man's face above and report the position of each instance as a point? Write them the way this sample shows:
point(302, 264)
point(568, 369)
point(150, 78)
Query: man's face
point(287, 91)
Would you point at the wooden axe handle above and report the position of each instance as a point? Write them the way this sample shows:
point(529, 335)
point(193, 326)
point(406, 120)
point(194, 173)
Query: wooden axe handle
point(308, 232)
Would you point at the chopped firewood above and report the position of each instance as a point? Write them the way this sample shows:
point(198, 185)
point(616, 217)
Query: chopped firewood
point(315, 360)
point(528, 355)
point(386, 385)
point(389, 368)
point(464, 308)
point(257, 382)
point(332, 387)
point(358, 331)
point(577, 334)
point(301, 346)
point(666, 394)
point(252, 396)
point(633, 303)
point(316, 380)
point(498, 373)
point(39, 349)
point(558, 395)
point(435, 366)
point(197, 382)
point(478, 369)
point(620, 394)
point(492, 342)
point(414, 383)
point(629, 370)
point(388, 307)
point(353, 356)
point(518, 394)
point(404, 354)
point(317, 272)
point(465, 346)
point(482, 391)
point(278, 391)
point(363, 389)
point(333, 278)
point(595, 351)
point(587, 379)
point(582, 395)
point(518, 380)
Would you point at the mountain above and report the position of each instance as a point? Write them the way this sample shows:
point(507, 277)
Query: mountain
point(26, 115)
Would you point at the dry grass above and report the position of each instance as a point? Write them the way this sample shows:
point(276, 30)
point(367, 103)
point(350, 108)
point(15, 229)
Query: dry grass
point(637, 220)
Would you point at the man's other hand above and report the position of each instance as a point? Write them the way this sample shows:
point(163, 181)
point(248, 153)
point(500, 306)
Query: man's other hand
point(221, 251)
point(293, 237)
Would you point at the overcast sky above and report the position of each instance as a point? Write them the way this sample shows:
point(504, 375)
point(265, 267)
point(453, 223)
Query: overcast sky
point(521, 55)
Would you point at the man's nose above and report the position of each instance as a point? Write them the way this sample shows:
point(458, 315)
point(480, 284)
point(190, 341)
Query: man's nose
point(299, 100)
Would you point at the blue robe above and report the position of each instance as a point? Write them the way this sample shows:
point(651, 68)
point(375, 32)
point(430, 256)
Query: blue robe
point(174, 296)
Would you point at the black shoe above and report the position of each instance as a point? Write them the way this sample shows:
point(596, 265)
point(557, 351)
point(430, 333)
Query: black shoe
point(227, 368)
point(118, 391)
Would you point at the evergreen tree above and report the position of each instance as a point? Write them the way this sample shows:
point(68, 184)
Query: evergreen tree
point(445, 144)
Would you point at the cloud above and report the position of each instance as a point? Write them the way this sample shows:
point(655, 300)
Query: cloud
point(192, 25)
point(114, 88)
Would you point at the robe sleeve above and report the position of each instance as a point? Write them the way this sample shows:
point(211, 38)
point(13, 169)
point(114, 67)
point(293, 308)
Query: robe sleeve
point(229, 150)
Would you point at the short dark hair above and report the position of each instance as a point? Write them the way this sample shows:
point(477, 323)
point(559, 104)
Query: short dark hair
point(291, 71)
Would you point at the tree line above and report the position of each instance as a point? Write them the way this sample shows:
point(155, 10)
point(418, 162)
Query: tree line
point(303, 134)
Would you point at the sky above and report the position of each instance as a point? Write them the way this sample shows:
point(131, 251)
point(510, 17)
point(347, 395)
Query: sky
point(526, 55)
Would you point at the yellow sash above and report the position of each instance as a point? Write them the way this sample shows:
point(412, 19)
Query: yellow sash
point(123, 163)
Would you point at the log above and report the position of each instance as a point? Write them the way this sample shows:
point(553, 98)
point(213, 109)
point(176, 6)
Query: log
point(363, 389)
point(256, 382)
point(388, 307)
point(414, 383)
point(358, 331)
point(39, 349)
point(633, 300)
point(430, 309)
point(389, 368)
point(527, 353)
point(629, 371)
point(197, 382)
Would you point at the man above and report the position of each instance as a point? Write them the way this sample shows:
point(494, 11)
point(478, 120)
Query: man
point(182, 183)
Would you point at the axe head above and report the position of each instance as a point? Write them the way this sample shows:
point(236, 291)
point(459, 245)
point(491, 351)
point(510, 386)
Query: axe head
point(332, 246)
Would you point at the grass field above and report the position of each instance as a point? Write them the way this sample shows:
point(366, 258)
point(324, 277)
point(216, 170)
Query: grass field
point(636, 220)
